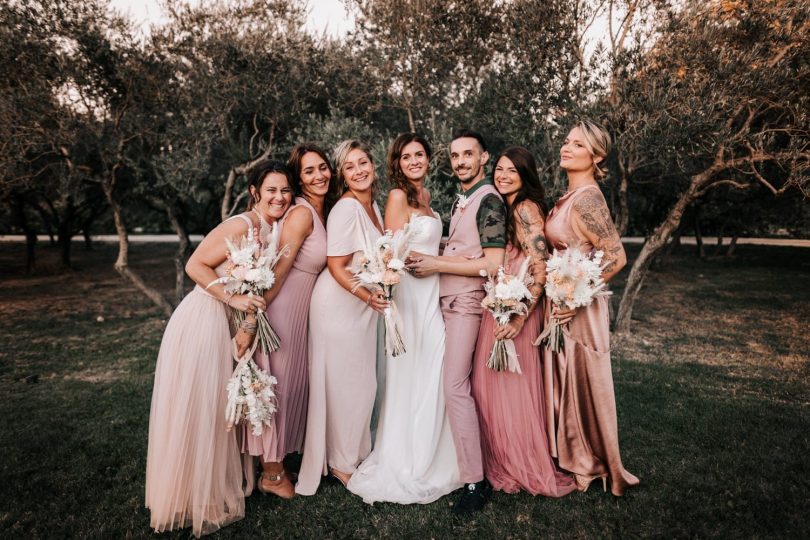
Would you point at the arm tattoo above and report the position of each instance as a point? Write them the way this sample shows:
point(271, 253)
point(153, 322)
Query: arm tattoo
point(595, 217)
point(531, 236)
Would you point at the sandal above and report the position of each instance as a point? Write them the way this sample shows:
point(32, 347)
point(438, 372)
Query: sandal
point(342, 477)
point(280, 485)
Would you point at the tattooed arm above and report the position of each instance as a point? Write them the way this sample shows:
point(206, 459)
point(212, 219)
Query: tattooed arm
point(529, 228)
point(591, 220)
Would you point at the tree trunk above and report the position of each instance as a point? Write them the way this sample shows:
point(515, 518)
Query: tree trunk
point(701, 249)
point(623, 210)
point(718, 250)
point(732, 245)
point(122, 263)
point(244, 169)
point(65, 240)
point(183, 247)
point(18, 211)
point(225, 209)
point(88, 239)
point(652, 246)
point(65, 233)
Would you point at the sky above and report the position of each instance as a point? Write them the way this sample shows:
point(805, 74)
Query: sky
point(329, 15)
point(324, 15)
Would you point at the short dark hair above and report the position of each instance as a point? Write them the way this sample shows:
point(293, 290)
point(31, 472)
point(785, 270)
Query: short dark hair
point(460, 133)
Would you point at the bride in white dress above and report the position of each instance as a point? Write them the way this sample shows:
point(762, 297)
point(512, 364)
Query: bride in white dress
point(413, 460)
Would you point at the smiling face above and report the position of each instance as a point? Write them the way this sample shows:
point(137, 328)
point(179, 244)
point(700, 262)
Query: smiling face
point(413, 161)
point(468, 159)
point(275, 196)
point(575, 156)
point(315, 175)
point(358, 171)
point(507, 179)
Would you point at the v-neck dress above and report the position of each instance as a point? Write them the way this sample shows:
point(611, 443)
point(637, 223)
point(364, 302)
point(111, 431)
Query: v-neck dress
point(342, 357)
point(288, 314)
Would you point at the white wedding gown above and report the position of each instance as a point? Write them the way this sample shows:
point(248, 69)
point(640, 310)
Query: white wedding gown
point(414, 459)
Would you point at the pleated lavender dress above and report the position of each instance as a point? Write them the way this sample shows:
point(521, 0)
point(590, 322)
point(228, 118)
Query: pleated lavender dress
point(511, 412)
point(288, 314)
point(193, 464)
point(580, 402)
point(342, 359)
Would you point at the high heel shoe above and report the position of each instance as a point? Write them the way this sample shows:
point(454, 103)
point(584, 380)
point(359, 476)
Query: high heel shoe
point(280, 485)
point(342, 477)
point(584, 482)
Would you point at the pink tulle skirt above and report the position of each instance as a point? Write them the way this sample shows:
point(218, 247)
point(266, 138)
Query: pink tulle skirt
point(193, 467)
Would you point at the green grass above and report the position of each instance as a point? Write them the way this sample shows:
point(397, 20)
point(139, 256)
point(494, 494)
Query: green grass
point(713, 393)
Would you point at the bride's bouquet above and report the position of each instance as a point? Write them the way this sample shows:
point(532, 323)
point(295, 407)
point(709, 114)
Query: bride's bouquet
point(250, 271)
point(573, 279)
point(507, 295)
point(379, 268)
point(250, 395)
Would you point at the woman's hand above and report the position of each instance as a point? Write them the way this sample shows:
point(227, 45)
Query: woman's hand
point(248, 304)
point(510, 329)
point(377, 301)
point(243, 341)
point(562, 315)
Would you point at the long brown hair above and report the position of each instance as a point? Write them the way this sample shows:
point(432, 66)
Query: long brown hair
point(531, 188)
point(395, 174)
point(294, 163)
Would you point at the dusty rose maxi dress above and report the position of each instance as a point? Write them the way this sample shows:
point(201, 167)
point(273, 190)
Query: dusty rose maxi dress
point(580, 402)
point(288, 314)
point(511, 412)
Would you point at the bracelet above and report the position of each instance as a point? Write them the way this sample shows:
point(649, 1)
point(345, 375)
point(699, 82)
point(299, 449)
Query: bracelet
point(228, 299)
point(368, 298)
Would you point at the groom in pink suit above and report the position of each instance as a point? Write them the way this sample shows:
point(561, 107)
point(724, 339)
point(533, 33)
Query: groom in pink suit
point(476, 242)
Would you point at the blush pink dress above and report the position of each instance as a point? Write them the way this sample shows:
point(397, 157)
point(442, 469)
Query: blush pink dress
point(288, 314)
point(193, 464)
point(580, 403)
point(342, 358)
point(511, 411)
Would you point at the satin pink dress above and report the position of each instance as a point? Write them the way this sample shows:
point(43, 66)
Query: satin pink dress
point(288, 314)
point(511, 412)
point(580, 402)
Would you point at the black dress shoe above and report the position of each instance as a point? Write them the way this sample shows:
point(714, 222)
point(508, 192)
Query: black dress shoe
point(473, 498)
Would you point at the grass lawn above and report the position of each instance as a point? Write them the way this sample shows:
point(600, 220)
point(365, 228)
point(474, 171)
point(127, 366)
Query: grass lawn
point(713, 392)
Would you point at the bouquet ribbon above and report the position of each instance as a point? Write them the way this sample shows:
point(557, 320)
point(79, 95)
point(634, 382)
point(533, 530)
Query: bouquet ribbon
point(393, 322)
point(504, 356)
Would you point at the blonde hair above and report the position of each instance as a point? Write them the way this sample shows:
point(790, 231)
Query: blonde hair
point(597, 140)
point(342, 152)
